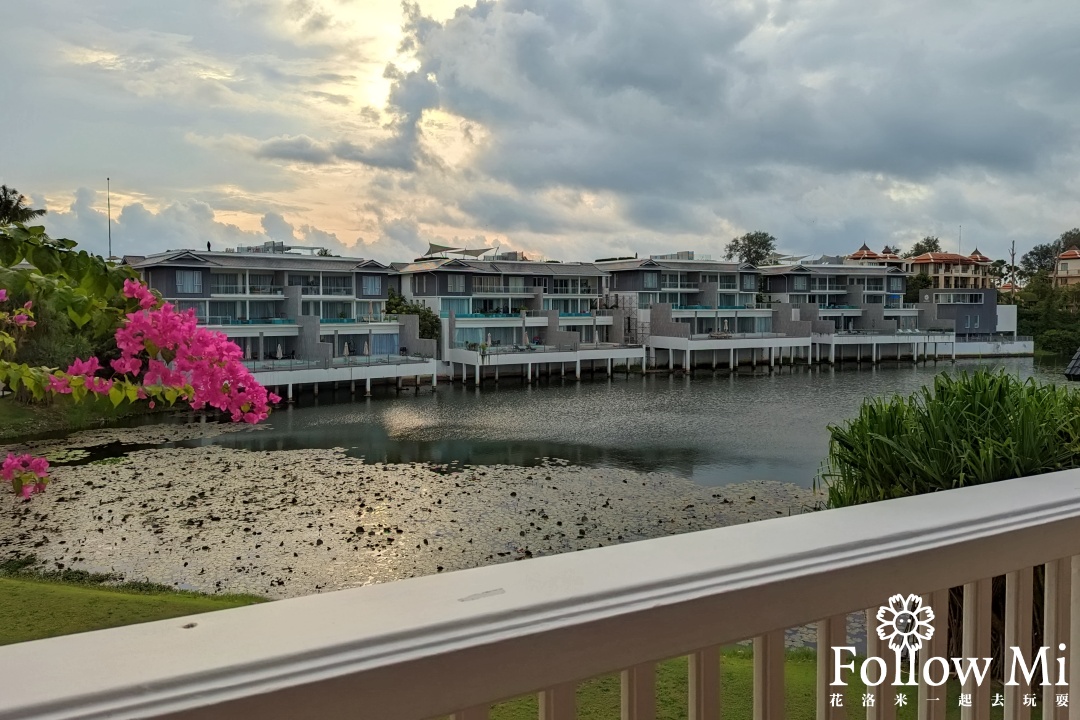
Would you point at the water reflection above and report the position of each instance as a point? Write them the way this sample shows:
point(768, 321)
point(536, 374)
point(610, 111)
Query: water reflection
point(715, 429)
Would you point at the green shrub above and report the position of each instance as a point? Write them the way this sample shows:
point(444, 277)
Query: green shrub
point(965, 430)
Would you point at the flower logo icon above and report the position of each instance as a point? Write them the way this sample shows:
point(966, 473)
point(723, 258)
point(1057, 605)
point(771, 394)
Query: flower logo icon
point(905, 623)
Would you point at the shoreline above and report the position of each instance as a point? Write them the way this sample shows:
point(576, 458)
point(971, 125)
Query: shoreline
point(285, 523)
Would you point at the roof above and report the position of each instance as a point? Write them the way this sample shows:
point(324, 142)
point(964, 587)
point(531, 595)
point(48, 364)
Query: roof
point(864, 253)
point(829, 269)
point(933, 257)
point(254, 261)
point(1072, 371)
point(1008, 287)
point(1073, 253)
point(683, 265)
point(500, 267)
point(979, 257)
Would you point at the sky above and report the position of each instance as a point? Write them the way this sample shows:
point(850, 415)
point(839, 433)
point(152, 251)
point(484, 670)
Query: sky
point(570, 129)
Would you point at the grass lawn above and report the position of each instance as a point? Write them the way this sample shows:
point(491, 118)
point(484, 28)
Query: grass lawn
point(18, 419)
point(33, 607)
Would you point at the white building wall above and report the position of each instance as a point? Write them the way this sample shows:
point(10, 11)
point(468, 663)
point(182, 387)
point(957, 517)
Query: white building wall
point(1006, 318)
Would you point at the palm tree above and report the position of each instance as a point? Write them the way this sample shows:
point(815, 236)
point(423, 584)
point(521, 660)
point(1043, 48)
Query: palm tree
point(13, 207)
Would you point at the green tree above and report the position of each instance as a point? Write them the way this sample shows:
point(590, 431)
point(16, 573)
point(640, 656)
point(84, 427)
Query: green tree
point(755, 248)
point(430, 325)
point(13, 207)
point(1041, 259)
point(928, 244)
point(915, 285)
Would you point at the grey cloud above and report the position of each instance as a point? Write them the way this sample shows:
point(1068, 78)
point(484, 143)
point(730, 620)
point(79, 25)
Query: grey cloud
point(698, 113)
point(392, 154)
point(277, 228)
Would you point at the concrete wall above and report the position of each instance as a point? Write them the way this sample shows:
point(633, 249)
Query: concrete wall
point(803, 327)
point(661, 322)
point(995, 349)
point(409, 337)
point(1006, 318)
point(617, 331)
point(310, 346)
point(873, 318)
point(706, 295)
point(555, 336)
point(292, 301)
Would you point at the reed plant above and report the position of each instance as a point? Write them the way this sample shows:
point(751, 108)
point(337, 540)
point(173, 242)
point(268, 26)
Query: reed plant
point(965, 429)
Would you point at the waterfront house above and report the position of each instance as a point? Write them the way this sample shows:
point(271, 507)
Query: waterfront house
point(290, 311)
point(1067, 271)
point(510, 311)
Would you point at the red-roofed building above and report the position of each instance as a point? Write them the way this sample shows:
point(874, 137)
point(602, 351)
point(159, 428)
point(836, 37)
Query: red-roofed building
point(1068, 267)
point(866, 256)
point(952, 271)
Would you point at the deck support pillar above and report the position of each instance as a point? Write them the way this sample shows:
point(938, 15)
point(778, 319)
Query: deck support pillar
point(577, 368)
point(367, 387)
point(289, 391)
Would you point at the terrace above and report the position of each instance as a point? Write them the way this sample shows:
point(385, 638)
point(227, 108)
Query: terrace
point(455, 643)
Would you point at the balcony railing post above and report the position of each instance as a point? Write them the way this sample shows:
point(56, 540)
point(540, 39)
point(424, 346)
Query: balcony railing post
point(831, 632)
point(1018, 607)
point(559, 702)
point(769, 676)
point(704, 686)
point(977, 596)
point(638, 700)
point(931, 703)
point(882, 700)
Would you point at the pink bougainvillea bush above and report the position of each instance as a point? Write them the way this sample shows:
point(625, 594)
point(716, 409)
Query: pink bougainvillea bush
point(164, 357)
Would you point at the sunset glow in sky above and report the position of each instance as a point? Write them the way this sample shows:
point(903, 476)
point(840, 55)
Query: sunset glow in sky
point(572, 129)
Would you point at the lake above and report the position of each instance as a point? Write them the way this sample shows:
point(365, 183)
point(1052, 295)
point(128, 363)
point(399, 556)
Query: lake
point(712, 428)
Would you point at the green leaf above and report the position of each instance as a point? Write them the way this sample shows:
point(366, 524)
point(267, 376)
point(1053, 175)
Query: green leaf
point(132, 392)
point(116, 394)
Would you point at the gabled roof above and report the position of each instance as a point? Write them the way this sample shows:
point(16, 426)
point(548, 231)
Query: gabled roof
point(819, 269)
point(259, 261)
point(683, 265)
point(501, 267)
point(979, 257)
point(1073, 253)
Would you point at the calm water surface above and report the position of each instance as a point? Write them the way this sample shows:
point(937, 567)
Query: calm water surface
point(714, 429)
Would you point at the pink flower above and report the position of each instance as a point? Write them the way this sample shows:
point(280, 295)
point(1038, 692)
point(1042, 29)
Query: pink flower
point(152, 404)
point(28, 304)
point(127, 365)
point(84, 367)
point(3, 294)
point(28, 475)
point(99, 386)
point(135, 289)
point(23, 320)
point(60, 384)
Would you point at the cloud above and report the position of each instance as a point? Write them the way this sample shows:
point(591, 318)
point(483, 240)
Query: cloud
point(567, 128)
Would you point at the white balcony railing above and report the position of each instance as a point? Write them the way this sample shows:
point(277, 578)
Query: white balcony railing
point(457, 642)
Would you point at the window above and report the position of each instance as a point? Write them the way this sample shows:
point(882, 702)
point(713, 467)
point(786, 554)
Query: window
point(798, 283)
point(225, 284)
point(455, 283)
point(646, 300)
point(1063, 267)
point(261, 284)
point(896, 284)
point(749, 282)
point(200, 308)
point(967, 321)
point(372, 285)
point(516, 284)
point(652, 281)
point(335, 285)
point(976, 322)
point(188, 281)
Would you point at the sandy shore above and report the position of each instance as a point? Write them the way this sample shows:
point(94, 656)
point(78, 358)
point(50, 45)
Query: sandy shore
point(290, 523)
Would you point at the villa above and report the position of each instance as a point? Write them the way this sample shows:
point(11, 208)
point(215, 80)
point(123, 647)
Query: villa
point(311, 318)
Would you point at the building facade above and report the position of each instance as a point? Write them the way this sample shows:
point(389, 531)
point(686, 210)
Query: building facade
point(1067, 271)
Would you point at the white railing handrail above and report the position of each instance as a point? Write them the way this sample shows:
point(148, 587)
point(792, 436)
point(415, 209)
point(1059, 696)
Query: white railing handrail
point(429, 646)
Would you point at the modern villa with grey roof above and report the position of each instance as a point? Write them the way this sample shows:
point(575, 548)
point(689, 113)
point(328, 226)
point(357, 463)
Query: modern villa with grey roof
point(506, 314)
point(501, 311)
point(287, 310)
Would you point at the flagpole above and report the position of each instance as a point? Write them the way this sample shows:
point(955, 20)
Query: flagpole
point(108, 202)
